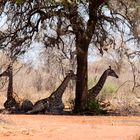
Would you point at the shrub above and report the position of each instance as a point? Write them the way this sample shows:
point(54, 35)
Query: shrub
point(93, 106)
point(108, 90)
point(109, 87)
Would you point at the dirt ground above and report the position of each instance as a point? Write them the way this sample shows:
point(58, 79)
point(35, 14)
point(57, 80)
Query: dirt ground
point(48, 127)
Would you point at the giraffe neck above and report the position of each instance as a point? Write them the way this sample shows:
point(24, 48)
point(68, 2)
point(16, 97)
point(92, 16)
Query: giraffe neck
point(10, 85)
point(60, 90)
point(97, 88)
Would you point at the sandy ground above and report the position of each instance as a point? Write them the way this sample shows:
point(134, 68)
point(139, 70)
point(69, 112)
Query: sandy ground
point(48, 127)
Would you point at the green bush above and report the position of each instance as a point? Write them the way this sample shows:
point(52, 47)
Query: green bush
point(93, 106)
point(109, 87)
point(108, 90)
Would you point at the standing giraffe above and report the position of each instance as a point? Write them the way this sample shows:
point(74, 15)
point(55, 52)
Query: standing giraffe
point(10, 103)
point(53, 104)
point(94, 91)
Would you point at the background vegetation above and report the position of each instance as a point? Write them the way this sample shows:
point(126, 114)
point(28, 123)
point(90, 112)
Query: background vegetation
point(37, 82)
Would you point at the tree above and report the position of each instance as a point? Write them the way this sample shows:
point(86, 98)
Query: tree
point(57, 22)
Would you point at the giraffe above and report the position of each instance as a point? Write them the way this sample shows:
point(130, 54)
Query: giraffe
point(53, 104)
point(13, 102)
point(10, 103)
point(95, 90)
point(24, 104)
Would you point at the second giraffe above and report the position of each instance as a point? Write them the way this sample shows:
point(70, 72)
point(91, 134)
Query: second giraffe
point(53, 104)
point(95, 90)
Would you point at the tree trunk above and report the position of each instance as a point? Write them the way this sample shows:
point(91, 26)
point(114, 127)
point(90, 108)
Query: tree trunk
point(83, 38)
point(82, 77)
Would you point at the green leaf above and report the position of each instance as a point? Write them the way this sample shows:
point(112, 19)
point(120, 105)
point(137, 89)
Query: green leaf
point(19, 2)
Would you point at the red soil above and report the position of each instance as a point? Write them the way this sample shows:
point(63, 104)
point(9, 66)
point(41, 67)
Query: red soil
point(48, 127)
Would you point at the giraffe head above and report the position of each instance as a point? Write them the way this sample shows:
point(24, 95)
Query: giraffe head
point(6, 72)
point(71, 75)
point(111, 72)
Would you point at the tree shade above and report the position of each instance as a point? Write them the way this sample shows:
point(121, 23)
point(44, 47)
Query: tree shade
point(56, 22)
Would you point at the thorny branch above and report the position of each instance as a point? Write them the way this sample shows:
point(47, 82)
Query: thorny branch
point(26, 21)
